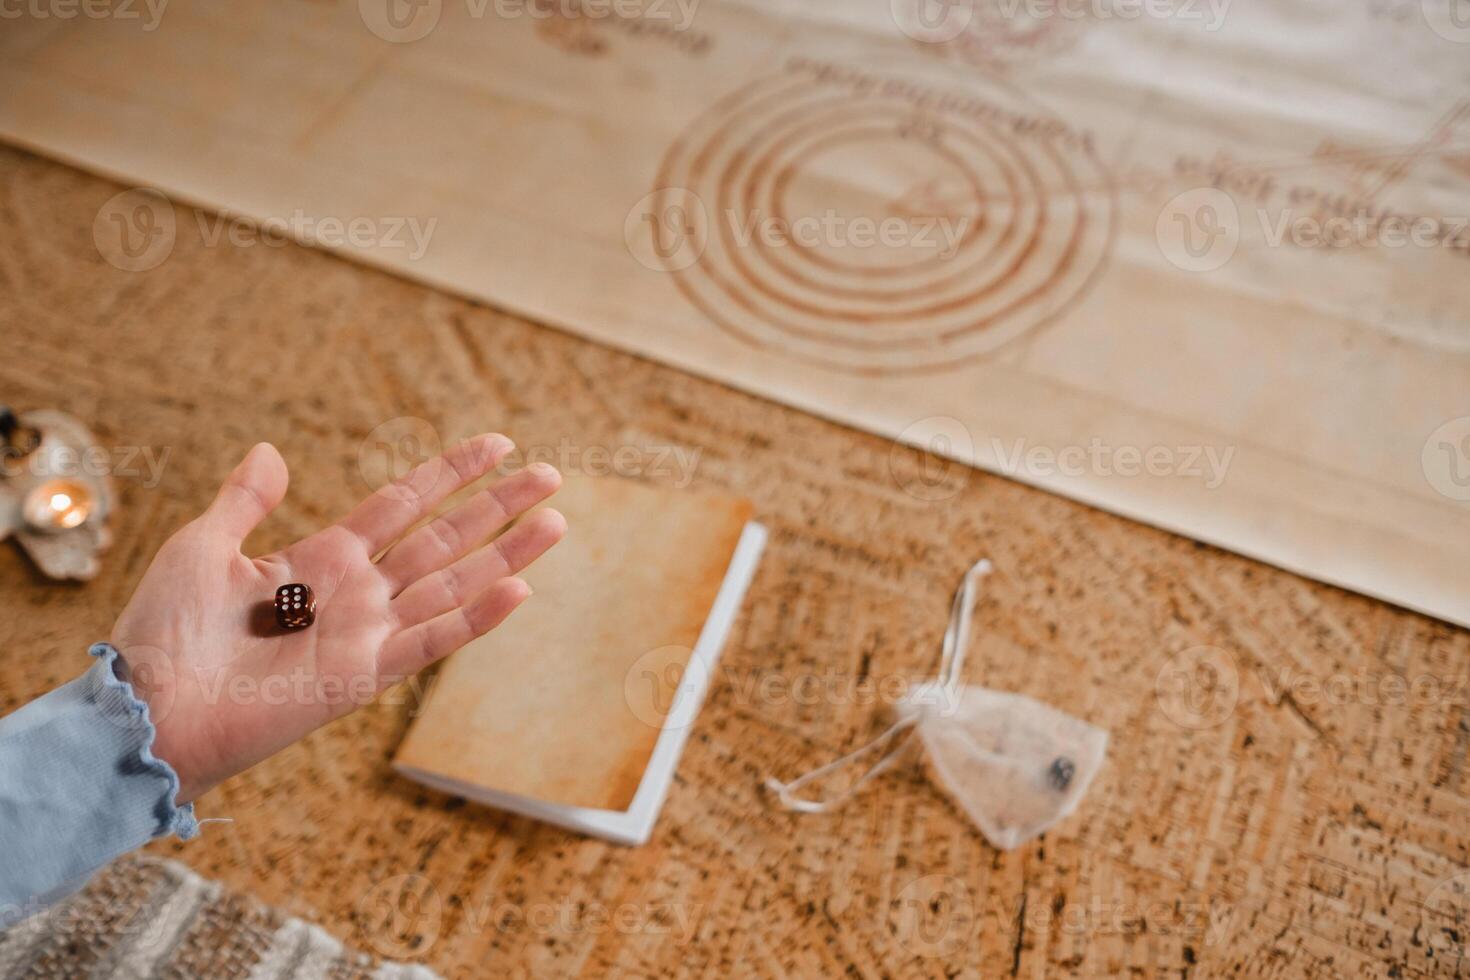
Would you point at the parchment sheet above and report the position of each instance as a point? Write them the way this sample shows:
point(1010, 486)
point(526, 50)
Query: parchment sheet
point(1203, 265)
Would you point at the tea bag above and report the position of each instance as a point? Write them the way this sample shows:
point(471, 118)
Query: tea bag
point(1014, 765)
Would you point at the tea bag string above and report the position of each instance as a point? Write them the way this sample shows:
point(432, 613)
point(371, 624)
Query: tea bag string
point(951, 668)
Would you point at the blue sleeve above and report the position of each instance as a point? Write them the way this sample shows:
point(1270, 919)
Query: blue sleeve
point(79, 786)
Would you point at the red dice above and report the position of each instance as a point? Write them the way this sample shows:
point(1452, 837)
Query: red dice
point(295, 606)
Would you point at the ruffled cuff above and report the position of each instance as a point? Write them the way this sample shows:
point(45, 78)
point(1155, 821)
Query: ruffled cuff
point(112, 692)
point(79, 786)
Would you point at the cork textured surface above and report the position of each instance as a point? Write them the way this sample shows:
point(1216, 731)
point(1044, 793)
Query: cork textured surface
point(1285, 793)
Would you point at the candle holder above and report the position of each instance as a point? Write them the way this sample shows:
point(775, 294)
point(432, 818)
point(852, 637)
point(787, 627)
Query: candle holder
point(55, 507)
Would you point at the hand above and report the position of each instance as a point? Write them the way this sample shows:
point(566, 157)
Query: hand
point(227, 689)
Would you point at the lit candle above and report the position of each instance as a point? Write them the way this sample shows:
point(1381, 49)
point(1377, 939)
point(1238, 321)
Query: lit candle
point(58, 505)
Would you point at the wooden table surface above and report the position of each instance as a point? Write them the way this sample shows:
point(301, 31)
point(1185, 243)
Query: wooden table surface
point(1285, 793)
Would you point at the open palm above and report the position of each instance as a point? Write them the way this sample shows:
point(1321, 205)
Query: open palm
point(226, 688)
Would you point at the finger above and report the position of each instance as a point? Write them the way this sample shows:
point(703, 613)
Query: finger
point(509, 554)
point(451, 535)
point(385, 515)
point(251, 491)
point(411, 650)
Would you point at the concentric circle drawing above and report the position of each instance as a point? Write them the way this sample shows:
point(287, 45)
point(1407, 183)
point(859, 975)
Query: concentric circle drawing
point(884, 222)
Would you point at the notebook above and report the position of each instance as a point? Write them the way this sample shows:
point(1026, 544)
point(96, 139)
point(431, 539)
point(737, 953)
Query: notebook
point(576, 709)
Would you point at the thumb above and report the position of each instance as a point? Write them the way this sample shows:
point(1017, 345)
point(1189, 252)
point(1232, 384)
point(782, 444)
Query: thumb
point(250, 492)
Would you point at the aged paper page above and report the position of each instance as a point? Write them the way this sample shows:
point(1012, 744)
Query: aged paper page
point(1205, 266)
point(564, 702)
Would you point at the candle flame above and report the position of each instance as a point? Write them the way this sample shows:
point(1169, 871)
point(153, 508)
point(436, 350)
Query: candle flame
point(59, 505)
